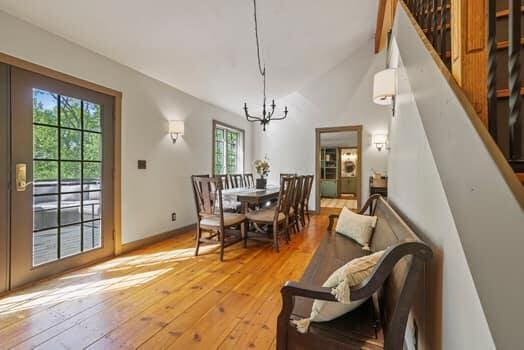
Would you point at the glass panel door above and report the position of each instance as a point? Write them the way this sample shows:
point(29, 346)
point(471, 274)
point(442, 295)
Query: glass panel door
point(62, 154)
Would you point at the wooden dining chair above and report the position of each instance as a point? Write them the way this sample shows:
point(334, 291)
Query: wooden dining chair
point(195, 195)
point(282, 175)
point(225, 182)
point(236, 180)
point(211, 216)
point(294, 208)
point(277, 216)
point(249, 180)
point(304, 206)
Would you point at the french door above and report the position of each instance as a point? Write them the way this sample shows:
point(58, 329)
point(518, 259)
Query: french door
point(62, 176)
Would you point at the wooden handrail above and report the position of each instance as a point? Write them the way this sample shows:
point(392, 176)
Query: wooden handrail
point(385, 17)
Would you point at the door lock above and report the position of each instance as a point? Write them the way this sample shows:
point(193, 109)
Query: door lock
point(21, 173)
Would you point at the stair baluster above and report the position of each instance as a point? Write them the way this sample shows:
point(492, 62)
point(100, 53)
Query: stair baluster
point(515, 151)
point(492, 68)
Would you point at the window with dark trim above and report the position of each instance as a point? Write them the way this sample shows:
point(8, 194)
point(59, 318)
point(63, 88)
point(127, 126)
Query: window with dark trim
point(228, 149)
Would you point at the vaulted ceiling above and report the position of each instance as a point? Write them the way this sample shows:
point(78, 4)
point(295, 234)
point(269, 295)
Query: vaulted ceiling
point(207, 47)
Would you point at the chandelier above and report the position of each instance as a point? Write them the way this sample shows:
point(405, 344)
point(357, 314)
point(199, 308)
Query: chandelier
point(267, 115)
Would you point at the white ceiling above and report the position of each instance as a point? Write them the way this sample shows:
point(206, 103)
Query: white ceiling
point(207, 47)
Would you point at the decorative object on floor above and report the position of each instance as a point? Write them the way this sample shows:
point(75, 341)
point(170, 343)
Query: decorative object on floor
point(262, 167)
point(385, 88)
point(267, 116)
point(380, 141)
point(176, 129)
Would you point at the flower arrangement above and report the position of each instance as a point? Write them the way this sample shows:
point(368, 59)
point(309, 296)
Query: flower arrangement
point(262, 167)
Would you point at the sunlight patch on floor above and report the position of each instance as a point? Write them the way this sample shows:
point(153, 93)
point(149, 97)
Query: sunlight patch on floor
point(81, 290)
point(54, 294)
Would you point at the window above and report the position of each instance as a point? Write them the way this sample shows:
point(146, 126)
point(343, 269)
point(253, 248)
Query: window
point(67, 163)
point(228, 149)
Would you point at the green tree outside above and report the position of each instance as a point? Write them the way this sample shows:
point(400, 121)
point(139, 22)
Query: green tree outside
point(45, 137)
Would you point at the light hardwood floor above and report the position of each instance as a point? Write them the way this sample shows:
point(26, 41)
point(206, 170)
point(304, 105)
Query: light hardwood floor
point(162, 297)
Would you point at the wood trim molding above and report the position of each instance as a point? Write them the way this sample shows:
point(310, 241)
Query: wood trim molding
point(128, 247)
point(318, 132)
point(117, 95)
point(469, 57)
point(51, 73)
point(385, 18)
point(117, 176)
point(496, 154)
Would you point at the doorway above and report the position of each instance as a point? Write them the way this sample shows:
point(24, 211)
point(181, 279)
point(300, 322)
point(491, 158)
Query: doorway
point(338, 168)
point(61, 163)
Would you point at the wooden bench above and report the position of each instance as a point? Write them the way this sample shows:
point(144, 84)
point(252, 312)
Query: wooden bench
point(380, 322)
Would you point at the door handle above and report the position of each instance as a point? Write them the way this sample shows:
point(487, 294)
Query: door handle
point(21, 177)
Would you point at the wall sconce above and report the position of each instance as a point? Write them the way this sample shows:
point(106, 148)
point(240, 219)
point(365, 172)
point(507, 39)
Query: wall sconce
point(176, 129)
point(385, 88)
point(380, 141)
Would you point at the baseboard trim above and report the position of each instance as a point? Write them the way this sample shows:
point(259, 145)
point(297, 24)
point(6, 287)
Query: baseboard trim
point(128, 247)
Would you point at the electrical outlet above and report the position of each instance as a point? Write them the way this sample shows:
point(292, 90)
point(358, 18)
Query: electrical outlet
point(173, 216)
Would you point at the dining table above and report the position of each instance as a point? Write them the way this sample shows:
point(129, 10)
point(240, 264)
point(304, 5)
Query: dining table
point(251, 196)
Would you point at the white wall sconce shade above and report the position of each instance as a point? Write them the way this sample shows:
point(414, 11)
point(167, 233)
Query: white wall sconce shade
point(176, 129)
point(385, 88)
point(380, 141)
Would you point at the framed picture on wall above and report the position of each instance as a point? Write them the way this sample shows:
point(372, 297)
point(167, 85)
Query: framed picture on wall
point(348, 162)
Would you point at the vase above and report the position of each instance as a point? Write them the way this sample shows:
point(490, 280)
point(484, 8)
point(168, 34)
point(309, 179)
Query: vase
point(261, 184)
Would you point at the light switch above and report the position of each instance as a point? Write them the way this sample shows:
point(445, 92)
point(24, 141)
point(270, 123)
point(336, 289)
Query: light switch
point(141, 164)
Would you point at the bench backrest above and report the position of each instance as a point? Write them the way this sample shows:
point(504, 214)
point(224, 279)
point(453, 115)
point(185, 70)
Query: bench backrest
point(394, 299)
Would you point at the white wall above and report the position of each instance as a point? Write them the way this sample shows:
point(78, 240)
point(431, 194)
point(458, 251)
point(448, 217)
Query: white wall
point(340, 97)
point(449, 315)
point(148, 196)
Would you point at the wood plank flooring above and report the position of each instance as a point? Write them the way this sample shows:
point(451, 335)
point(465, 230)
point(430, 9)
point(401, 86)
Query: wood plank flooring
point(162, 297)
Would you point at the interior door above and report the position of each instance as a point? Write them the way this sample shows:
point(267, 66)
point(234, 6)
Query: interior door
point(62, 167)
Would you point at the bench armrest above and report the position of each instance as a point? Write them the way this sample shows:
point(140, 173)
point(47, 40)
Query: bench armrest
point(296, 289)
point(370, 204)
point(332, 218)
point(420, 252)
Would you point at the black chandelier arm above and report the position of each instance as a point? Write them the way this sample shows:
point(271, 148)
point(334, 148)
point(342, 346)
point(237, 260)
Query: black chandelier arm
point(283, 117)
point(251, 118)
point(272, 109)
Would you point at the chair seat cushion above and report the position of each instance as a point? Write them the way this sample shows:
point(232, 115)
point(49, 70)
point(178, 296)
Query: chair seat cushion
point(265, 215)
point(230, 219)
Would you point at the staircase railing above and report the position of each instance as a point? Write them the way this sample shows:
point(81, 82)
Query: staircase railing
point(465, 41)
point(434, 20)
point(506, 127)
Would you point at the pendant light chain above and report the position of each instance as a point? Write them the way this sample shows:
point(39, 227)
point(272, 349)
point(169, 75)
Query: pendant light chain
point(261, 70)
point(267, 116)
